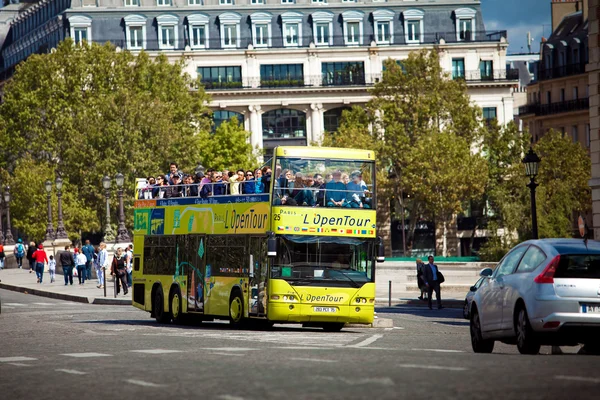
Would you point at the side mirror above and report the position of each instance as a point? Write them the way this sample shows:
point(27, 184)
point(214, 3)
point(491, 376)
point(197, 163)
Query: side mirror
point(380, 250)
point(487, 272)
point(473, 288)
point(272, 245)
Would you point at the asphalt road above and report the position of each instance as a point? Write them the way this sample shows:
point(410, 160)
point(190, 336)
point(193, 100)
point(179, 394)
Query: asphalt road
point(52, 349)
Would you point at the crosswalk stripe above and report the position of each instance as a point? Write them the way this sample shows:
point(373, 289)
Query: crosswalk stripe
point(16, 359)
point(143, 383)
point(84, 355)
point(71, 371)
point(156, 351)
point(312, 359)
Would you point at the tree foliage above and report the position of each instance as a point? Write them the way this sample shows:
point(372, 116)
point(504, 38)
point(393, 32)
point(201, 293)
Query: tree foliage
point(229, 147)
point(83, 112)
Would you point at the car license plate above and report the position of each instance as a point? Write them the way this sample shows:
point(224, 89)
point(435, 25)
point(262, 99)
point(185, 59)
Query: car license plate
point(325, 309)
point(590, 308)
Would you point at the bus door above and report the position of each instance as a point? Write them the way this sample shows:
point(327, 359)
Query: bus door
point(193, 258)
point(257, 295)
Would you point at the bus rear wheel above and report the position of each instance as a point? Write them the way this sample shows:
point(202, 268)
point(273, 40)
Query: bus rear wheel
point(162, 316)
point(175, 305)
point(236, 309)
point(333, 326)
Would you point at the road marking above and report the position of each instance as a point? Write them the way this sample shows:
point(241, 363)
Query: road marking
point(384, 381)
point(398, 327)
point(431, 367)
point(16, 359)
point(229, 397)
point(440, 350)
point(578, 378)
point(8, 307)
point(312, 359)
point(15, 304)
point(84, 355)
point(302, 348)
point(227, 348)
point(143, 383)
point(19, 364)
point(367, 341)
point(71, 371)
point(156, 351)
point(389, 329)
point(227, 354)
point(44, 304)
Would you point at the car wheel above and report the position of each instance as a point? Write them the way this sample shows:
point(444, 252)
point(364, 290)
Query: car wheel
point(162, 316)
point(527, 343)
point(236, 309)
point(479, 344)
point(466, 310)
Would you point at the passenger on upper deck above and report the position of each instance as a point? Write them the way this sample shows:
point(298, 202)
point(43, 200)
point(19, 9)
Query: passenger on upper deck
point(357, 190)
point(259, 186)
point(319, 187)
point(300, 193)
point(336, 191)
point(175, 190)
point(173, 170)
point(190, 188)
point(249, 185)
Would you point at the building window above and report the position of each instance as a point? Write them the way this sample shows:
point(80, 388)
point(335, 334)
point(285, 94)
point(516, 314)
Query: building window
point(343, 73)
point(135, 32)
point(465, 24)
point(548, 97)
point(562, 95)
point(221, 116)
point(282, 75)
point(574, 134)
point(195, 2)
point(284, 123)
point(320, 1)
point(587, 135)
point(230, 27)
point(575, 92)
point(163, 2)
point(198, 31)
point(576, 55)
point(458, 68)
point(257, 1)
point(287, 1)
point(353, 27)
point(322, 27)
point(84, 3)
point(261, 29)
point(292, 29)
point(132, 3)
point(413, 26)
point(489, 114)
point(384, 26)
point(225, 2)
point(486, 70)
point(81, 29)
point(167, 31)
point(220, 77)
point(332, 119)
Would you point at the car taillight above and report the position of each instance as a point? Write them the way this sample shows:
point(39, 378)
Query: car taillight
point(547, 275)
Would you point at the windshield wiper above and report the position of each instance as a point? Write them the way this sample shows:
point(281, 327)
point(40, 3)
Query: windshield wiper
point(354, 283)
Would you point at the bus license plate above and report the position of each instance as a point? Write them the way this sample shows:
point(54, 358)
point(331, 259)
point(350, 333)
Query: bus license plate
point(590, 308)
point(325, 309)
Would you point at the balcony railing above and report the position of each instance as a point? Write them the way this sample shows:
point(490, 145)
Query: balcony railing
point(495, 75)
point(555, 108)
point(277, 41)
point(559, 72)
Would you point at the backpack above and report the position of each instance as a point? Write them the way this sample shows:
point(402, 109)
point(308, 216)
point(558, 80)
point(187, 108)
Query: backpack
point(20, 250)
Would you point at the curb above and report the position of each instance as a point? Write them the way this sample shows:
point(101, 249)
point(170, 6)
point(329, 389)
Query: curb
point(67, 297)
point(383, 303)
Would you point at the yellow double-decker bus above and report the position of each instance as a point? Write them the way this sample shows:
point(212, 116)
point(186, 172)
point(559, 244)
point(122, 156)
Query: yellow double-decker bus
point(302, 252)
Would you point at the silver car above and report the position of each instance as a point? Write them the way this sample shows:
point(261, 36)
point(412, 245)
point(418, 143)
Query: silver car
point(543, 292)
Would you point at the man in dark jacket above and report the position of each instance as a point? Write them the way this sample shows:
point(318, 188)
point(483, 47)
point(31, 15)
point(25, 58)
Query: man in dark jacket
point(431, 279)
point(67, 261)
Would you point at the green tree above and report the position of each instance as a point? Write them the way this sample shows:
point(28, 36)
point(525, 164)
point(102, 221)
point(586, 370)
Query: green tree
point(83, 112)
point(229, 147)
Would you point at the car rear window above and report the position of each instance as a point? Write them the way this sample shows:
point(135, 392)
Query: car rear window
point(579, 266)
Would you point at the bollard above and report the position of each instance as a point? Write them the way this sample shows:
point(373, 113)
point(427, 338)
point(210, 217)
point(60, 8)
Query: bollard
point(115, 288)
point(389, 293)
point(104, 280)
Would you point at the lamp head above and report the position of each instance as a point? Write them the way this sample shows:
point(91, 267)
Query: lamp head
point(48, 186)
point(106, 182)
point(120, 179)
point(59, 183)
point(7, 194)
point(532, 163)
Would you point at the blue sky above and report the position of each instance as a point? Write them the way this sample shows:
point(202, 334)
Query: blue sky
point(518, 17)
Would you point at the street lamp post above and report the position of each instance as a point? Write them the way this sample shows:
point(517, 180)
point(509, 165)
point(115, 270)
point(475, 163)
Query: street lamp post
point(108, 233)
point(1, 229)
point(532, 164)
point(61, 232)
point(122, 235)
point(8, 238)
point(393, 174)
point(49, 228)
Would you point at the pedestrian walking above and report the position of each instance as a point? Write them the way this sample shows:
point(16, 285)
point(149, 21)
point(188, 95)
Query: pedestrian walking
point(67, 262)
point(2, 256)
point(40, 258)
point(118, 269)
point(420, 281)
point(102, 264)
point(88, 251)
point(19, 251)
point(52, 268)
point(81, 261)
point(433, 277)
point(30, 250)
point(129, 258)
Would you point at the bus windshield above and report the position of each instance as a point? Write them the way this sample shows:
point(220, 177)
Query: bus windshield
point(315, 260)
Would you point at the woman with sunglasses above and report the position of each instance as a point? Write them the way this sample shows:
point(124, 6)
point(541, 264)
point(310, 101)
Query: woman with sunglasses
point(249, 185)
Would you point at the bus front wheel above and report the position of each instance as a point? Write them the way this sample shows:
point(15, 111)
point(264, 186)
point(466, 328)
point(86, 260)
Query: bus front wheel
point(162, 316)
point(236, 309)
point(333, 326)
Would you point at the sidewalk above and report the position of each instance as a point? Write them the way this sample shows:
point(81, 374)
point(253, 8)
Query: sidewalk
point(20, 280)
point(450, 299)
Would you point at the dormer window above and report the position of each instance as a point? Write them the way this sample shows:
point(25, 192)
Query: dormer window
point(413, 26)
point(465, 24)
point(323, 28)
point(384, 26)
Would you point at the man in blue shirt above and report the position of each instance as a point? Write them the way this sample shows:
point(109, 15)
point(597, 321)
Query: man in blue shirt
point(336, 191)
point(88, 252)
point(432, 282)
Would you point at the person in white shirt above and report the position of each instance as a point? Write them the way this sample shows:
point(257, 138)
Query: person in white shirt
point(129, 258)
point(52, 268)
point(80, 261)
point(102, 264)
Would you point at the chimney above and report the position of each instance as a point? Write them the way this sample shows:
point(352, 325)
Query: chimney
point(560, 8)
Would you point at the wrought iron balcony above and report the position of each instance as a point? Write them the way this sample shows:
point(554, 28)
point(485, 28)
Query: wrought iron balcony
point(487, 76)
point(545, 74)
point(555, 108)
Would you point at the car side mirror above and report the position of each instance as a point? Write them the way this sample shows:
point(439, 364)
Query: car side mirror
point(473, 288)
point(487, 272)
